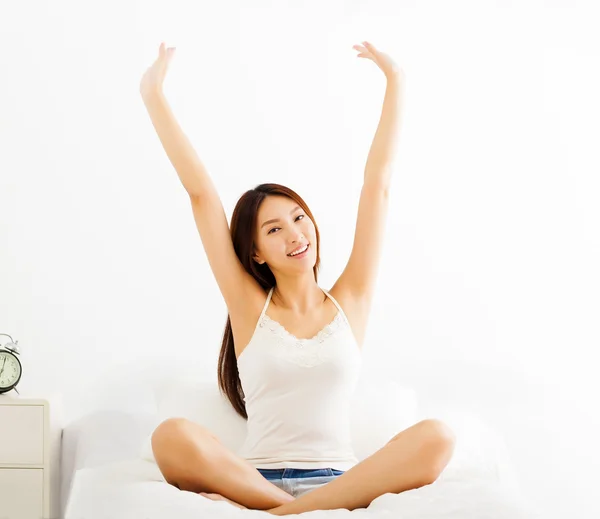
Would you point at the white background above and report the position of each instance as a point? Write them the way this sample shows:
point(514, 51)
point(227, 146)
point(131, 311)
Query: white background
point(488, 290)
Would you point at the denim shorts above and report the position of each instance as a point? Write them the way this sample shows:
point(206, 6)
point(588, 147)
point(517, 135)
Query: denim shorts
point(300, 481)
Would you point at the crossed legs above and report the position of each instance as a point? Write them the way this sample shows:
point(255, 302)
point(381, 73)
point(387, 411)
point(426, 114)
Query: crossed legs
point(192, 458)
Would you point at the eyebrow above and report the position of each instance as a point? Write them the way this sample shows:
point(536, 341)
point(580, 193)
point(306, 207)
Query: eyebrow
point(277, 219)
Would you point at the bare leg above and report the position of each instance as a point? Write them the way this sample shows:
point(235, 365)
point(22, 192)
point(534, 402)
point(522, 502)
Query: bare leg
point(191, 458)
point(412, 459)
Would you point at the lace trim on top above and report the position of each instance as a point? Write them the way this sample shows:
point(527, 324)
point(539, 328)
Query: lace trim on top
point(325, 332)
point(302, 352)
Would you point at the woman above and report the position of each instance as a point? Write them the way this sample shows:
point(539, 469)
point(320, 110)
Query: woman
point(290, 356)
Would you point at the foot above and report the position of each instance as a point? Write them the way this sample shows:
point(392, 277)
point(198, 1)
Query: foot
point(219, 497)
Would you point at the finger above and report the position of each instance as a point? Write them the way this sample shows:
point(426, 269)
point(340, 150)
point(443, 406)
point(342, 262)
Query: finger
point(364, 52)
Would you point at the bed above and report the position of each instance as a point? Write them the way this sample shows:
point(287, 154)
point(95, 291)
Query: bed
point(108, 470)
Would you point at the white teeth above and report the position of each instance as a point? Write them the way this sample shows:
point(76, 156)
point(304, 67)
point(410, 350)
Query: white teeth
point(298, 252)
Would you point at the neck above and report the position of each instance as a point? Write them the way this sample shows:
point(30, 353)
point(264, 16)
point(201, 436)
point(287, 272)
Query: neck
point(299, 294)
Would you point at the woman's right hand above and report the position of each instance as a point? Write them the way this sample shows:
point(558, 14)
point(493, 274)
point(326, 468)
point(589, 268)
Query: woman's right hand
point(152, 80)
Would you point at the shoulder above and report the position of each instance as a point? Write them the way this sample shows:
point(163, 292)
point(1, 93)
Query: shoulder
point(355, 306)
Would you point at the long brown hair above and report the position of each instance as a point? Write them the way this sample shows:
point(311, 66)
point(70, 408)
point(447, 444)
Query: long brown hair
point(243, 231)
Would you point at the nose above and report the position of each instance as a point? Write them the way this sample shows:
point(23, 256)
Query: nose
point(296, 236)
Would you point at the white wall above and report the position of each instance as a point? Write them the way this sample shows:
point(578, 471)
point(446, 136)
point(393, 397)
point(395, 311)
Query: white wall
point(488, 288)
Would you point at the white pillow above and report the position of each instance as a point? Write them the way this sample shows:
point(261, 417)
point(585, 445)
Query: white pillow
point(380, 409)
point(201, 401)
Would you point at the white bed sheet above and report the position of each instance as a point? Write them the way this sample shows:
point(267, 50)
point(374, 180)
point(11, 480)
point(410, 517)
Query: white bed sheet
point(136, 488)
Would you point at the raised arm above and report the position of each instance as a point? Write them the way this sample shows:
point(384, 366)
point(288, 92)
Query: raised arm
point(209, 215)
point(358, 278)
point(191, 171)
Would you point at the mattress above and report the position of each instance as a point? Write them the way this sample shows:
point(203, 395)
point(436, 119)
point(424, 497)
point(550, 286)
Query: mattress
point(108, 470)
point(135, 488)
point(108, 473)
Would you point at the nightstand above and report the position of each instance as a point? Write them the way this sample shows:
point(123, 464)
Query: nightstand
point(30, 439)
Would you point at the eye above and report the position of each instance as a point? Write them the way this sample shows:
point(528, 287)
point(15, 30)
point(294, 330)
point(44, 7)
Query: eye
point(296, 219)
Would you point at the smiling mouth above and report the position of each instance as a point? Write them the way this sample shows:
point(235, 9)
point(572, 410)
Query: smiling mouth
point(300, 252)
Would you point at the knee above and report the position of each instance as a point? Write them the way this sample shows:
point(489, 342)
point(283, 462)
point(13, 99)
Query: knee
point(438, 431)
point(177, 444)
point(176, 434)
point(167, 430)
point(439, 441)
point(174, 437)
point(166, 435)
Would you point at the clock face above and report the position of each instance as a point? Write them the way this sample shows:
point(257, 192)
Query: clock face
point(10, 369)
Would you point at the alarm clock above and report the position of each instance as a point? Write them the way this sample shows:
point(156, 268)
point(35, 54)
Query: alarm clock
point(10, 366)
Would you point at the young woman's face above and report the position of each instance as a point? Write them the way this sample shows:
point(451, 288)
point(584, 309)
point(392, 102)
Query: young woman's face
point(282, 228)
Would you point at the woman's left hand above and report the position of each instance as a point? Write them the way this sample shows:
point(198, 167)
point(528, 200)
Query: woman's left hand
point(381, 59)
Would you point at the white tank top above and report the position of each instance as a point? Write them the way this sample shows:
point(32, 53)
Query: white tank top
point(297, 395)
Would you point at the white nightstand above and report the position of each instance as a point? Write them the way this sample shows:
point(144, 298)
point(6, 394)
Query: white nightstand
point(30, 439)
